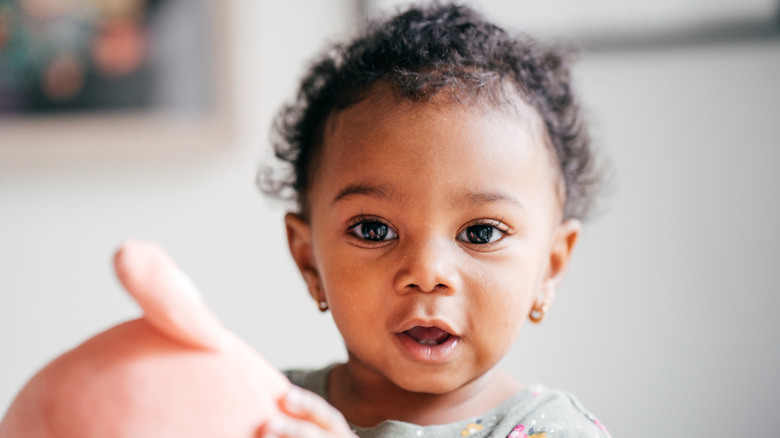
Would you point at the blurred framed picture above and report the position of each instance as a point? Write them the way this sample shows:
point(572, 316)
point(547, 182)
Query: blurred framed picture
point(141, 62)
point(621, 25)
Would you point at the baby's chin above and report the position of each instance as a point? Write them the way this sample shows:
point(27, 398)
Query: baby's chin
point(433, 382)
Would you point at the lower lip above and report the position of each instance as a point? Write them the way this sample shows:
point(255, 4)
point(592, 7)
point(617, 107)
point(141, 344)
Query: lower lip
point(432, 354)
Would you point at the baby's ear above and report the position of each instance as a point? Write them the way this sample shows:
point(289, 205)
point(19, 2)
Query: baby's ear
point(171, 303)
point(564, 239)
point(299, 239)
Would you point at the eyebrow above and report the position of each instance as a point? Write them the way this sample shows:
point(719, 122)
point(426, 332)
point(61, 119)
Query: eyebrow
point(374, 191)
point(489, 197)
point(385, 192)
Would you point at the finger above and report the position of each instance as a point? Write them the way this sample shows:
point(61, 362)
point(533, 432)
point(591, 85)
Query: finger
point(170, 301)
point(288, 427)
point(312, 408)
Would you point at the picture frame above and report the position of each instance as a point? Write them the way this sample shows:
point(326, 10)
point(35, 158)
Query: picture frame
point(177, 97)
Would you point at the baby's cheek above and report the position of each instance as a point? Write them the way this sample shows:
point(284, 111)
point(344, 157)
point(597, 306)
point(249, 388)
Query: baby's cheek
point(498, 313)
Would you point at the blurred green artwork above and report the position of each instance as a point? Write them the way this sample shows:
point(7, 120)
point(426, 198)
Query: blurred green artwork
point(82, 55)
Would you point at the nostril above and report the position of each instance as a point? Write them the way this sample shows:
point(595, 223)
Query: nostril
point(437, 287)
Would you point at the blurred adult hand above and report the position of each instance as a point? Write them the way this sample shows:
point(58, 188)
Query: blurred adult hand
point(175, 372)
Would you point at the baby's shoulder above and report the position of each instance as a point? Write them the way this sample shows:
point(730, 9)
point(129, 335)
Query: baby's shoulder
point(534, 412)
point(540, 412)
point(314, 380)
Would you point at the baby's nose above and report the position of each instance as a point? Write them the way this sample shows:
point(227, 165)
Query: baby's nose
point(429, 266)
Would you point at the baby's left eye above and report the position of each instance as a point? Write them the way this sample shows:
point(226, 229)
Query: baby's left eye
point(481, 234)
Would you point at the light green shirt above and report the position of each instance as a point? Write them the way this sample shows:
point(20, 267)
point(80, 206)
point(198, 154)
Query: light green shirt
point(535, 412)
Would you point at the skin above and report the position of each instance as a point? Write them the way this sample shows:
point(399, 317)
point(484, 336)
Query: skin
point(430, 181)
point(175, 372)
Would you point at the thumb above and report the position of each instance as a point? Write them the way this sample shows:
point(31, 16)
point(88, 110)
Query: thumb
point(171, 303)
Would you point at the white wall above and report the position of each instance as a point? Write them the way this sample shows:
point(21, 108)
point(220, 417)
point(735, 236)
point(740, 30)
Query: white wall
point(665, 324)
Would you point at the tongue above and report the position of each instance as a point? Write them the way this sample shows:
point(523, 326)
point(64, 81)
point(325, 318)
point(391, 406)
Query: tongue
point(428, 335)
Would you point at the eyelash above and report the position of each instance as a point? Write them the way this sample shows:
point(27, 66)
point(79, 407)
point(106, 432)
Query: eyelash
point(494, 226)
point(361, 220)
point(389, 233)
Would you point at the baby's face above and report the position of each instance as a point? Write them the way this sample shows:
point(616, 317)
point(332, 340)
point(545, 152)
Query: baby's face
point(434, 228)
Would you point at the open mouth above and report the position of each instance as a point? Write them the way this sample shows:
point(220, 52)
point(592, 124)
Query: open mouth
point(429, 345)
point(429, 336)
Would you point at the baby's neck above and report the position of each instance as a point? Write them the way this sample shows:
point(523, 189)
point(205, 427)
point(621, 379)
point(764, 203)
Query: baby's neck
point(366, 400)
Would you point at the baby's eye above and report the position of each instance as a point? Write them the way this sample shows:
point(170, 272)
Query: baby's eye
point(373, 231)
point(481, 234)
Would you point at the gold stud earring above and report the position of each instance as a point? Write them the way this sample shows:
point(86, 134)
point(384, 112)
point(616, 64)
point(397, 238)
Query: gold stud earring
point(537, 315)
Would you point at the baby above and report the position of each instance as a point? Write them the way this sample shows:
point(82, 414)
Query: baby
point(441, 172)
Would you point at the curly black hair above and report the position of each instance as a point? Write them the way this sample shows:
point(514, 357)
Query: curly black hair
point(419, 53)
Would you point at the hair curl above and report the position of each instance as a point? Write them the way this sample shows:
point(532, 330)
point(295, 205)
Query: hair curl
point(420, 52)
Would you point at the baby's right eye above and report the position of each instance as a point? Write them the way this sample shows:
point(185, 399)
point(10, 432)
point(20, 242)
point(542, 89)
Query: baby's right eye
point(373, 231)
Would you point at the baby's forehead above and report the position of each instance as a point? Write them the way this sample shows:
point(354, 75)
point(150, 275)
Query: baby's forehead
point(383, 98)
point(368, 135)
